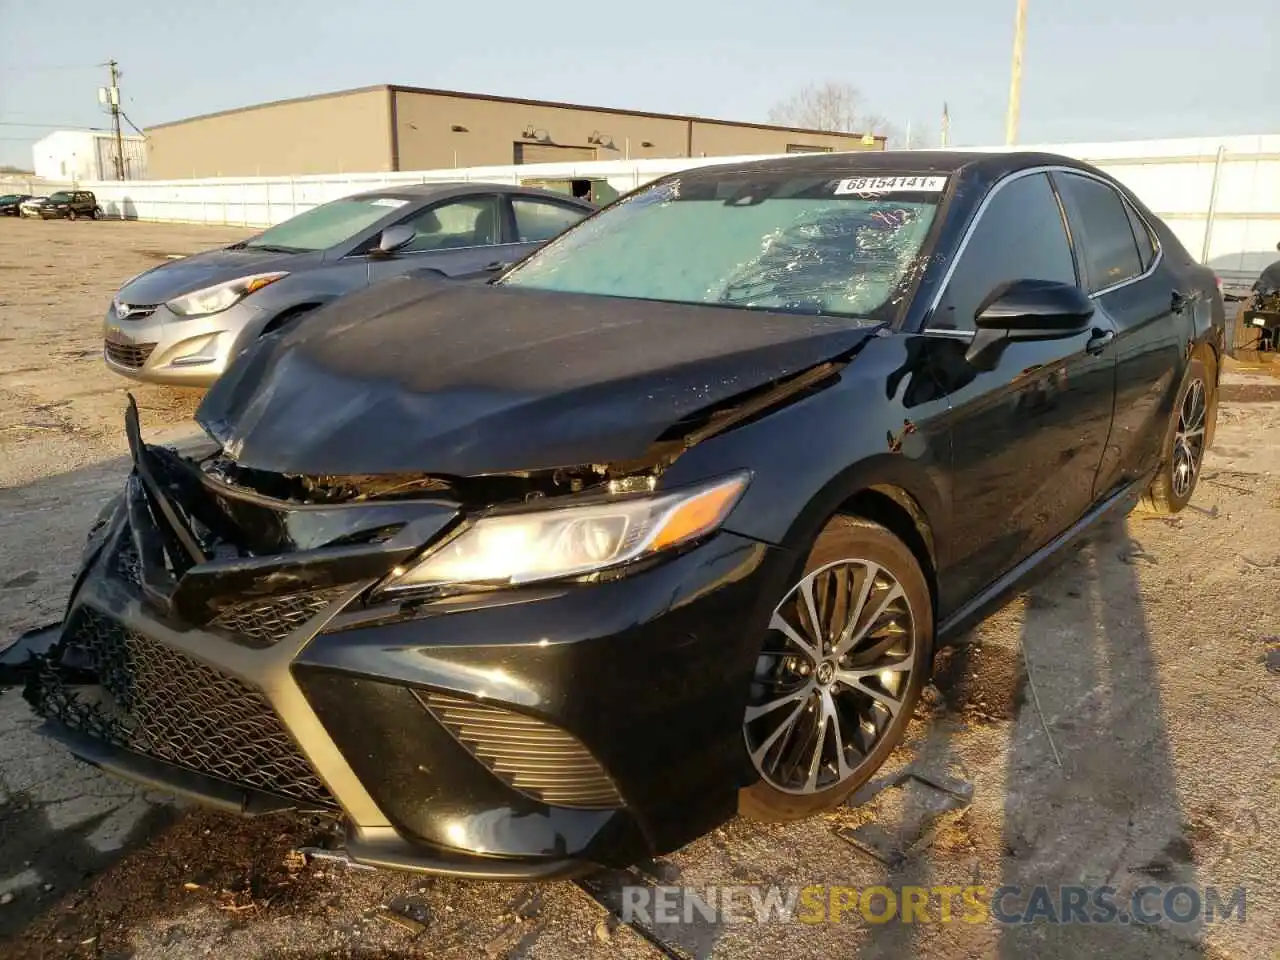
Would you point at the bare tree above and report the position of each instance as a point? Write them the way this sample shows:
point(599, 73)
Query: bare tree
point(831, 106)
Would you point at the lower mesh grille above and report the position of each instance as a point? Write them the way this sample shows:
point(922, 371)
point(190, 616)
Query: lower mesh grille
point(535, 757)
point(153, 700)
point(132, 355)
point(265, 622)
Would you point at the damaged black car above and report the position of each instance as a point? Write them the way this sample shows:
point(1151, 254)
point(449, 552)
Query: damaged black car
point(662, 526)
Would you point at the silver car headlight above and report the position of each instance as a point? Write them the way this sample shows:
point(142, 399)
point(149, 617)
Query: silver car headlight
point(516, 548)
point(220, 296)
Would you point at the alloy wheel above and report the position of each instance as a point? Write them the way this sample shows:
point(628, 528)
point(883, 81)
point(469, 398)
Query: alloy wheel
point(1188, 441)
point(832, 677)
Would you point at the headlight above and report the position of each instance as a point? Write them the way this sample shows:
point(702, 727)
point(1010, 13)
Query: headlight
point(546, 544)
point(220, 296)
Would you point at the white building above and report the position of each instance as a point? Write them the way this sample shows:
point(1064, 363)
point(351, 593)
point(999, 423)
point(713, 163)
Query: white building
point(74, 155)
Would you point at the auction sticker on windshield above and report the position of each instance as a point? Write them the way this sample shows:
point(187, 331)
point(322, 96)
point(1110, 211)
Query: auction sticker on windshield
point(891, 185)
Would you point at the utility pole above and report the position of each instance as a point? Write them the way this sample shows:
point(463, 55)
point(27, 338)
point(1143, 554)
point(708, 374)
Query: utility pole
point(1015, 80)
point(110, 97)
point(946, 126)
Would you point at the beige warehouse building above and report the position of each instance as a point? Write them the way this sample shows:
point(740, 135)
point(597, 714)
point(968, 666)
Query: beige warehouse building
point(387, 128)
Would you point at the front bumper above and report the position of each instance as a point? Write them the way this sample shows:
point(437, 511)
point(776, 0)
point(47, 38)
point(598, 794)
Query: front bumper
point(514, 734)
point(162, 347)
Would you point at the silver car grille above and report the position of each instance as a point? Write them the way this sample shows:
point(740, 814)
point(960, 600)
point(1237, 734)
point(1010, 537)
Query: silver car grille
point(134, 311)
point(132, 355)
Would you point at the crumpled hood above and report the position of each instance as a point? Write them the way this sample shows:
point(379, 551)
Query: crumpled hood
point(200, 270)
point(414, 375)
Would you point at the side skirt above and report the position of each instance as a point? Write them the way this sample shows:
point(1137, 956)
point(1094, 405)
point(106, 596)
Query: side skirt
point(1119, 504)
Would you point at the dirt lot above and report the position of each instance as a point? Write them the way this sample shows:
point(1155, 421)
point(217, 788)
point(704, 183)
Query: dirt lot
point(1118, 724)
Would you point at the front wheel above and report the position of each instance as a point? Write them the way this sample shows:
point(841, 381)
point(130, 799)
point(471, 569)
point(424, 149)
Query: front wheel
point(1185, 443)
point(843, 663)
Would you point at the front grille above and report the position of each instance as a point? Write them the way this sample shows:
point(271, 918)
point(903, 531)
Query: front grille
point(156, 701)
point(534, 757)
point(132, 355)
point(265, 622)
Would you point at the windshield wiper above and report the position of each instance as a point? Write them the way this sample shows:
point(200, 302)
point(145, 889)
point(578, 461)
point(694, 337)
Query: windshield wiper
point(275, 248)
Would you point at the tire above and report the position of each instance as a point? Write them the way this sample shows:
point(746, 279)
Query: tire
point(1183, 453)
point(71, 214)
point(792, 690)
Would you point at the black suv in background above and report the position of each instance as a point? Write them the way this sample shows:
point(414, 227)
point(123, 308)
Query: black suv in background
point(70, 204)
point(9, 203)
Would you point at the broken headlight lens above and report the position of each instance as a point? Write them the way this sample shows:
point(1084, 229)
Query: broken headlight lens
point(220, 296)
point(518, 548)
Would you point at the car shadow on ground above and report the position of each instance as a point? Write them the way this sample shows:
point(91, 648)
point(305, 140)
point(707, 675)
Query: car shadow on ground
point(1090, 792)
point(43, 860)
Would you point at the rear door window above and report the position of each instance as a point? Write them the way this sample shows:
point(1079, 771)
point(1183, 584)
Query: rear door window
point(539, 220)
point(1019, 236)
point(1109, 248)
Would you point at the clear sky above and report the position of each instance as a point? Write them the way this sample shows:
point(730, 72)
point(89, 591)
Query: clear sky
point(1094, 69)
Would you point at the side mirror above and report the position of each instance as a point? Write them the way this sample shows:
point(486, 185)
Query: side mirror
point(1028, 310)
point(395, 237)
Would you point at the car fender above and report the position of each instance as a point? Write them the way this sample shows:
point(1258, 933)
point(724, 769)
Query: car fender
point(306, 290)
point(813, 457)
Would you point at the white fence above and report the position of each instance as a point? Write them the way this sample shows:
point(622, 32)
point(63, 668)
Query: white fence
point(1221, 196)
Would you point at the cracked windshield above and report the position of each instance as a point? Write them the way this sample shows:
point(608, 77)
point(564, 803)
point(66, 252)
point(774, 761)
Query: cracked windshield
point(797, 244)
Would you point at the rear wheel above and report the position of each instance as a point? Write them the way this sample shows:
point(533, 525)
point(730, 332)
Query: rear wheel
point(846, 655)
point(1185, 443)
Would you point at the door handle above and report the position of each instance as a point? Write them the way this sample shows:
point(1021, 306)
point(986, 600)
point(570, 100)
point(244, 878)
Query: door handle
point(1100, 340)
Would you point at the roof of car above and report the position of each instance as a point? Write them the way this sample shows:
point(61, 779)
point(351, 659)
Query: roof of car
point(449, 188)
point(992, 163)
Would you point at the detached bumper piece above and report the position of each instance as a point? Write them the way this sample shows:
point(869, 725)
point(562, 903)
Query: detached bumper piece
point(152, 700)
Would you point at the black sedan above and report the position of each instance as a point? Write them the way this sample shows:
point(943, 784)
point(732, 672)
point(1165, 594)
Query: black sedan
point(663, 525)
point(10, 202)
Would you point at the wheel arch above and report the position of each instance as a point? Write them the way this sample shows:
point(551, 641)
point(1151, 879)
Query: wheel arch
point(1208, 350)
point(890, 490)
point(900, 513)
point(288, 313)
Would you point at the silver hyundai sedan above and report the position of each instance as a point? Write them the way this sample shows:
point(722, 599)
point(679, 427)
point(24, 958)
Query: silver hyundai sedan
point(183, 321)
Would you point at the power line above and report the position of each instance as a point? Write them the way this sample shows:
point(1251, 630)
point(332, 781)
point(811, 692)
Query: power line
point(43, 68)
point(50, 126)
point(131, 123)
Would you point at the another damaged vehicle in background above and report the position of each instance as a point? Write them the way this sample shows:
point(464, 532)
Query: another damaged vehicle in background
point(662, 526)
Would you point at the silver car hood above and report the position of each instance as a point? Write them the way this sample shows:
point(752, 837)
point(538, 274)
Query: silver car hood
point(178, 277)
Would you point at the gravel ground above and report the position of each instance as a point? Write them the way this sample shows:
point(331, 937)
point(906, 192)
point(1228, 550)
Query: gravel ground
point(1118, 723)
